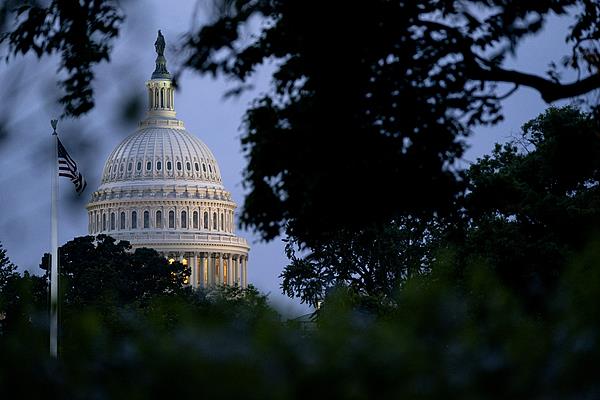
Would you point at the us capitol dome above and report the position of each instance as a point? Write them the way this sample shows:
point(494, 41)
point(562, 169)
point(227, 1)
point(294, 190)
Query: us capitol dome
point(161, 188)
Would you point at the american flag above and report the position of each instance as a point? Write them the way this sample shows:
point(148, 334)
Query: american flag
point(67, 167)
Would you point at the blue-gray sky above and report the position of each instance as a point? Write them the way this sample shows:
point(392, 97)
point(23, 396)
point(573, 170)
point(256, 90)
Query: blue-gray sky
point(30, 103)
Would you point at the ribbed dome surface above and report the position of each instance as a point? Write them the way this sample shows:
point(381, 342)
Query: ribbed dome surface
point(161, 153)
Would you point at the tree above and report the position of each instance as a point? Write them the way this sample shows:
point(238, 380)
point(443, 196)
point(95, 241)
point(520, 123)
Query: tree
point(373, 263)
point(20, 295)
point(534, 203)
point(99, 271)
point(7, 269)
point(372, 100)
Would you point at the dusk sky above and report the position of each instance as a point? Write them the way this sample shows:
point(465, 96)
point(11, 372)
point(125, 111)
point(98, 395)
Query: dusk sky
point(30, 103)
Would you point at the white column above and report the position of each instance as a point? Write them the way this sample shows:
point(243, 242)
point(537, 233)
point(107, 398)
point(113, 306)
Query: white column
point(211, 269)
point(200, 260)
point(218, 269)
point(230, 276)
point(194, 268)
point(244, 272)
point(234, 269)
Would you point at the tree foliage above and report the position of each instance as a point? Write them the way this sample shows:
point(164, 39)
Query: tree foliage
point(528, 208)
point(535, 202)
point(99, 271)
point(81, 32)
point(373, 263)
point(371, 100)
point(443, 341)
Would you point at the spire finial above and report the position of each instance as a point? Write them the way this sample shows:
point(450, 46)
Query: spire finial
point(160, 72)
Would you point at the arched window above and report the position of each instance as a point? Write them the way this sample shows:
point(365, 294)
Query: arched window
point(188, 166)
point(209, 168)
point(169, 165)
point(162, 97)
point(195, 219)
point(184, 219)
point(178, 165)
point(122, 168)
point(158, 219)
point(196, 167)
point(109, 170)
point(122, 221)
point(205, 220)
point(204, 167)
point(103, 221)
point(215, 221)
point(146, 219)
point(171, 219)
point(133, 220)
point(129, 167)
point(158, 165)
point(139, 166)
point(148, 165)
point(222, 223)
point(112, 221)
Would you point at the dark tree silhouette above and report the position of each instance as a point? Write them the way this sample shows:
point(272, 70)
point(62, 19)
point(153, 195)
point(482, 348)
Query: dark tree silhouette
point(371, 100)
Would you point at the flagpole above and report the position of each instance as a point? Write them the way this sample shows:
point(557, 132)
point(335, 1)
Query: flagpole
point(54, 245)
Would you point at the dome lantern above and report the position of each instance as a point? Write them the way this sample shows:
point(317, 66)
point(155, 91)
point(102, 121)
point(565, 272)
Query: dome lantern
point(161, 93)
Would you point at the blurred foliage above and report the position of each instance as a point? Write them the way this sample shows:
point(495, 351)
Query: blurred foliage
point(81, 32)
point(441, 340)
point(527, 209)
point(371, 100)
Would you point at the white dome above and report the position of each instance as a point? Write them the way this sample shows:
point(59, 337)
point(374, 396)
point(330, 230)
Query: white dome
point(161, 188)
point(165, 153)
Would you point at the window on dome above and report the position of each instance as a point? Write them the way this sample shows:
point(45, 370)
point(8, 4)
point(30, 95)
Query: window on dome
point(133, 220)
point(139, 166)
point(178, 165)
point(146, 219)
point(158, 219)
point(149, 166)
point(209, 168)
point(103, 221)
point(205, 220)
point(121, 168)
point(215, 221)
point(204, 167)
point(129, 167)
point(109, 170)
point(188, 166)
point(195, 219)
point(196, 167)
point(169, 165)
point(97, 222)
point(112, 221)
point(122, 221)
point(184, 219)
point(222, 224)
point(171, 219)
point(158, 165)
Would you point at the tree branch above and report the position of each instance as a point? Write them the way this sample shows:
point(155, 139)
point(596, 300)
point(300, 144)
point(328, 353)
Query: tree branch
point(549, 90)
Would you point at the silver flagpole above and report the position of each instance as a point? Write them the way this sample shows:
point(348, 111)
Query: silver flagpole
point(54, 245)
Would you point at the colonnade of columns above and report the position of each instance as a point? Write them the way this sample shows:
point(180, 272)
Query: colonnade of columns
point(211, 269)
